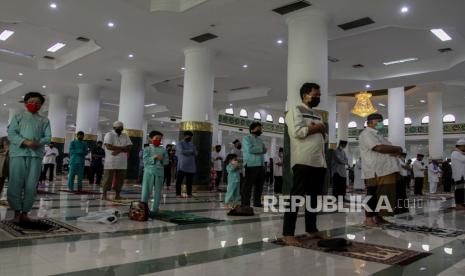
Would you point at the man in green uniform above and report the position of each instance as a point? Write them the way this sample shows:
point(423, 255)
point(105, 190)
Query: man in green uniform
point(28, 133)
point(155, 159)
point(78, 150)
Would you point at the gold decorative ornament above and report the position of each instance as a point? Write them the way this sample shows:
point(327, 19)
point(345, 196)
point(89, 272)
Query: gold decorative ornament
point(363, 107)
point(90, 137)
point(196, 126)
point(58, 140)
point(134, 132)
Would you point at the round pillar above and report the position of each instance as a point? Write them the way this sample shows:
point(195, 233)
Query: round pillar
point(396, 115)
point(88, 110)
point(197, 108)
point(331, 108)
point(343, 110)
point(435, 129)
point(57, 107)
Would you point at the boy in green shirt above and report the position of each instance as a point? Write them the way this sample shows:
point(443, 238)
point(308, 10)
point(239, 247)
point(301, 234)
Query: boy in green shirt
point(28, 133)
point(78, 150)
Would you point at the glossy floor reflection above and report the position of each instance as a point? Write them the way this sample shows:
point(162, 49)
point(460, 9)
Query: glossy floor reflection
point(233, 246)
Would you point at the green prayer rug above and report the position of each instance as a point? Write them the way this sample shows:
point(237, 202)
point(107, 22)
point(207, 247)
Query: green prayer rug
point(182, 218)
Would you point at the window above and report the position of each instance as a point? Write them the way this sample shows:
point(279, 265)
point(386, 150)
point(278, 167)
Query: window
point(281, 120)
point(269, 118)
point(449, 118)
point(257, 116)
point(407, 121)
point(352, 124)
point(337, 124)
point(243, 113)
point(229, 111)
point(425, 120)
point(386, 122)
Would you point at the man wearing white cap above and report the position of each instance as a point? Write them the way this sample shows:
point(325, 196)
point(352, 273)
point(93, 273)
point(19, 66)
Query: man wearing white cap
point(117, 146)
point(458, 173)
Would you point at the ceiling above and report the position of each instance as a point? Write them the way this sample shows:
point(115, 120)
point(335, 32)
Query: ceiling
point(247, 34)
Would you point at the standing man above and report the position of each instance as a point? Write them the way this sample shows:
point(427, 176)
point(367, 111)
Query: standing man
point(447, 175)
point(458, 173)
point(434, 173)
point(419, 168)
point(167, 168)
point(380, 168)
point(49, 161)
point(404, 178)
point(78, 150)
point(217, 160)
point(28, 133)
point(186, 163)
point(254, 157)
point(307, 134)
point(278, 172)
point(96, 165)
point(339, 171)
point(117, 146)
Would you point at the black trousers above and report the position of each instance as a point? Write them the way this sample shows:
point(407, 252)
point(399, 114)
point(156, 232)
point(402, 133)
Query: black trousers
point(254, 178)
point(44, 172)
point(308, 181)
point(219, 178)
point(189, 181)
point(418, 185)
point(339, 185)
point(278, 184)
point(448, 184)
point(95, 173)
point(459, 193)
point(167, 179)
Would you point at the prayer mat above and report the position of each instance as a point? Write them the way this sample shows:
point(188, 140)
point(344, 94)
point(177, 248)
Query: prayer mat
point(4, 203)
point(43, 192)
point(83, 192)
point(366, 251)
point(132, 192)
point(126, 201)
point(438, 232)
point(41, 228)
point(182, 218)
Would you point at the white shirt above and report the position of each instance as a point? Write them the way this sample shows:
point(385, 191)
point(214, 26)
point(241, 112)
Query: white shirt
point(419, 168)
point(87, 160)
point(217, 164)
point(458, 165)
point(50, 156)
point(433, 173)
point(375, 163)
point(278, 170)
point(120, 161)
point(403, 172)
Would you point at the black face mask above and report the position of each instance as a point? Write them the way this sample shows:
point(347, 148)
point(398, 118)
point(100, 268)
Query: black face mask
point(118, 130)
point(258, 132)
point(239, 147)
point(218, 150)
point(80, 138)
point(188, 139)
point(314, 102)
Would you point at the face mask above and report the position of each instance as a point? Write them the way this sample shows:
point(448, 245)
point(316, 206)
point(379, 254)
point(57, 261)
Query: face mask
point(239, 147)
point(32, 107)
point(80, 138)
point(218, 150)
point(379, 126)
point(119, 130)
point(156, 143)
point(314, 102)
point(258, 132)
point(188, 139)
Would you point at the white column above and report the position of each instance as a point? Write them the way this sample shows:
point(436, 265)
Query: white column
point(273, 147)
point(220, 137)
point(88, 109)
point(132, 98)
point(435, 131)
point(145, 129)
point(199, 77)
point(216, 139)
point(332, 120)
point(396, 115)
point(57, 115)
point(343, 109)
point(11, 112)
point(307, 54)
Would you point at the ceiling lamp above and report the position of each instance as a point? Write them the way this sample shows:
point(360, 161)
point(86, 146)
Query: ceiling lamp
point(363, 107)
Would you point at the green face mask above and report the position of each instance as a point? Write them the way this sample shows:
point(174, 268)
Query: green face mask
point(379, 126)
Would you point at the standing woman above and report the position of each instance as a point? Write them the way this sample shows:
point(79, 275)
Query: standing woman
point(28, 133)
point(4, 147)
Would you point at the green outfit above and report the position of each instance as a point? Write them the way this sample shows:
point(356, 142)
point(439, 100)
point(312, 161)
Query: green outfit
point(233, 191)
point(25, 163)
point(154, 172)
point(253, 151)
point(77, 152)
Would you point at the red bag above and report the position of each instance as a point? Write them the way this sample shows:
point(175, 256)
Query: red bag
point(139, 211)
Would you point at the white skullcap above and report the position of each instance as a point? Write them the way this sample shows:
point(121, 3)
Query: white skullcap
point(460, 142)
point(118, 124)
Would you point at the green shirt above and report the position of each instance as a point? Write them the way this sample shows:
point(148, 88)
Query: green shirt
point(152, 165)
point(234, 174)
point(77, 152)
point(253, 147)
point(28, 126)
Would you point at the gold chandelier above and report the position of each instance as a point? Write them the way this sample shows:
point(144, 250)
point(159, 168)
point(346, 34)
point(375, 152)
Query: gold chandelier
point(363, 107)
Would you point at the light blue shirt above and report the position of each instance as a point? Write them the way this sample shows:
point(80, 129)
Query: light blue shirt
point(252, 147)
point(152, 165)
point(234, 174)
point(186, 152)
point(77, 152)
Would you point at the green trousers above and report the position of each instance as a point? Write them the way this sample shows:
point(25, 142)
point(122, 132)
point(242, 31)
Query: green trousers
point(152, 181)
point(22, 187)
point(75, 169)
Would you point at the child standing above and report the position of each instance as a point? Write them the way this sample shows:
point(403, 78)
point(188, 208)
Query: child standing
point(155, 159)
point(233, 195)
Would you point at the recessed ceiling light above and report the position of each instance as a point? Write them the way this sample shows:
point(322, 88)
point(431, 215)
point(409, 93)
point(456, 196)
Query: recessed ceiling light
point(381, 104)
point(110, 24)
point(279, 41)
point(230, 104)
point(183, 68)
point(53, 5)
point(56, 47)
point(6, 34)
point(367, 86)
point(44, 86)
point(245, 66)
point(149, 105)
point(20, 74)
point(400, 61)
point(80, 74)
point(153, 115)
point(1, 80)
point(4, 104)
point(130, 55)
point(441, 34)
point(422, 101)
point(404, 9)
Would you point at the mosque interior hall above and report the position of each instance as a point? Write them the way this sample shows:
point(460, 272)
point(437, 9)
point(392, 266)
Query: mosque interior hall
point(232, 137)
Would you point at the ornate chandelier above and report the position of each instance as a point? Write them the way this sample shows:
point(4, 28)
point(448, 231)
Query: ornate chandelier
point(363, 107)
